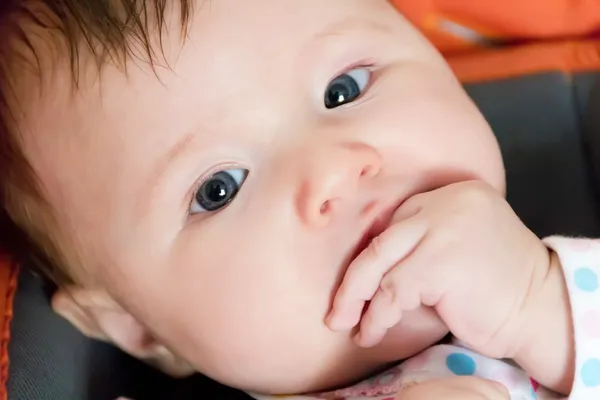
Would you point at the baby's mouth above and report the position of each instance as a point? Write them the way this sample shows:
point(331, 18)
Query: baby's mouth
point(379, 224)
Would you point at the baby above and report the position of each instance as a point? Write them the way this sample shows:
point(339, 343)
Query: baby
point(285, 196)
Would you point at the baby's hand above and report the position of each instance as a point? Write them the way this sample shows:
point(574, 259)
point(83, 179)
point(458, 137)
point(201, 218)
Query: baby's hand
point(457, 388)
point(460, 249)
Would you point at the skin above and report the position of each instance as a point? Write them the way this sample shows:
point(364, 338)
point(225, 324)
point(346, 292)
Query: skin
point(243, 293)
point(455, 388)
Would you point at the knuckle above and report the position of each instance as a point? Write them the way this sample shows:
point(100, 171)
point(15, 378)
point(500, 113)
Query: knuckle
point(376, 247)
point(344, 294)
point(388, 289)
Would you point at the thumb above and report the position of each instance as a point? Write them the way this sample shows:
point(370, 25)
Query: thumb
point(495, 390)
point(484, 388)
point(455, 388)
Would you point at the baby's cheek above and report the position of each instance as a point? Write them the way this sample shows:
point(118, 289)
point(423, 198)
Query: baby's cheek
point(291, 359)
point(257, 320)
point(293, 351)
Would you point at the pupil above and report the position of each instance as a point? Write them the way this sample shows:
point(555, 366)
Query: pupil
point(338, 94)
point(344, 89)
point(216, 190)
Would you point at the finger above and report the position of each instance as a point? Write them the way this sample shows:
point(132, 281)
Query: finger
point(376, 321)
point(411, 207)
point(483, 388)
point(397, 293)
point(494, 391)
point(456, 388)
point(361, 281)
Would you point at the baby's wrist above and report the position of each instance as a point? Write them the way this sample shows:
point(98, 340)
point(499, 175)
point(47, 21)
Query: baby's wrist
point(546, 349)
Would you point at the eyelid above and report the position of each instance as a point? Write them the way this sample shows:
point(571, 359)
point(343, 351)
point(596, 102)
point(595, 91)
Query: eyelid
point(369, 64)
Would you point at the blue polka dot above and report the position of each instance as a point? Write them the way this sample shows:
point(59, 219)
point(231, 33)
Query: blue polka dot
point(533, 394)
point(586, 280)
point(461, 364)
point(590, 373)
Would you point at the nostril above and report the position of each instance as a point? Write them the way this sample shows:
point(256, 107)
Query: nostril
point(368, 171)
point(325, 208)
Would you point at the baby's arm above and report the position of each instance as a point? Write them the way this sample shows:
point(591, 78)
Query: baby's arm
point(562, 337)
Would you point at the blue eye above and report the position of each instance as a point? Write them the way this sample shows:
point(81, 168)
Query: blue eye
point(218, 190)
point(347, 87)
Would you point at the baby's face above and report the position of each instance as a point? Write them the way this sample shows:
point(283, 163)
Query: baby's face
point(222, 203)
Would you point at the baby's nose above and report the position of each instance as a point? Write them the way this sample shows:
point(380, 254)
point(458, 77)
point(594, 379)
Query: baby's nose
point(332, 176)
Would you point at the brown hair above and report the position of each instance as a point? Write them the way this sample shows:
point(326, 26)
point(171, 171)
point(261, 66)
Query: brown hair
point(111, 30)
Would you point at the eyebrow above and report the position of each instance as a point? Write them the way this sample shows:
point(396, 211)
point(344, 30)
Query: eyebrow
point(161, 167)
point(351, 23)
point(175, 152)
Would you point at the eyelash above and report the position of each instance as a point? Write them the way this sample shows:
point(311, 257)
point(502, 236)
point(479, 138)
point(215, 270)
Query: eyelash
point(365, 63)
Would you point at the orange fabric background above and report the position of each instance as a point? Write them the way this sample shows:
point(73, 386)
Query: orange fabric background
point(506, 20)
point(568, 57)
point(8, 284)
point(490, 39)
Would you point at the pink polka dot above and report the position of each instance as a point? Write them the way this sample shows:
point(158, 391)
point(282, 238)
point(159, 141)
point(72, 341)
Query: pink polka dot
point(512, 380)
point(590, 323)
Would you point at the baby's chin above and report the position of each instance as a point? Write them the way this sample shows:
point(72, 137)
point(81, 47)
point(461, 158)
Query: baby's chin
point(417, 331)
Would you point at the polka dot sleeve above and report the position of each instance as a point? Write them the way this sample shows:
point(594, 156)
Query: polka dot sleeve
point(580, 259)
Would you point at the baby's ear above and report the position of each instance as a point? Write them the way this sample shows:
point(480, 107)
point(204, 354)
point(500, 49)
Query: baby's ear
point(98, 316)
